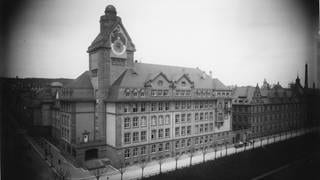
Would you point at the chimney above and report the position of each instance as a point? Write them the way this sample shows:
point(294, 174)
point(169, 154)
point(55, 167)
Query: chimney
point(210, 73)
point(306, 77)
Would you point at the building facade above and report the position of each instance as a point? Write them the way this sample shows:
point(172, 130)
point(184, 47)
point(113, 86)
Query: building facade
point(127, 111)
point(258, 112)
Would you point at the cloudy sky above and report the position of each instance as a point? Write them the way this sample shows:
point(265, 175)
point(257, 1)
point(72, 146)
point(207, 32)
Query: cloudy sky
point(240, 41)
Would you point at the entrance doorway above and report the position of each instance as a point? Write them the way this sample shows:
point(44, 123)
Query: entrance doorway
point(91, 154)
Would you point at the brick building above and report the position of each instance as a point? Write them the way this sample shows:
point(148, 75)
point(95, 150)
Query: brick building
point(124, 110)
point(264, 111)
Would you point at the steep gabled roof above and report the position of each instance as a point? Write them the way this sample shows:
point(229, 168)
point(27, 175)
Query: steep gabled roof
point(82, 82)
point(142, 72)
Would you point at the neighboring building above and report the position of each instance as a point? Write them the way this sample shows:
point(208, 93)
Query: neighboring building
point(124, 110)
point(259, 112)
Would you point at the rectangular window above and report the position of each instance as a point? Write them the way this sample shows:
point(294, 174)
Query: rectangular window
point(196, 116)
point(160, 148)
point(127, 138)
point(206, 116)
point(154, 120)
point(135, 152)
point(211, 127)
point(183, 143)
point(188, 105)
point(153, 148)
point(189, 117)
point(183, 131)
point(196, 141)
point(189, 130)
point(183, 118)
point(196, 105)
point(143, 135)
point(143, 122)
point(160, 133)
point(201, 116)
point(201, 128)
point(201, 105)
point(177, 131)
point(127, 153)
point(167, 121)
point(159, 92)
point(177, 118)
point(153, 106)
point(189, 142)
point(135, 108)
point(153, 93)
point(135, 122)
point(177, 92)
point(197, 129)
point(160, 106)
point(161, 120)
point(135, 137)
point(177, 144)
point(125, 108)
point(167, 147)
point(143, 150)
point(183, 105)
point(167, 132)
point(206, 127)
point(188, 92)
point(153, 134)
point(177, 105)
point(166, 106)
point(127, 122)
point(182, 92)
point(211, 116)
point(165, 92)
point(143, 107)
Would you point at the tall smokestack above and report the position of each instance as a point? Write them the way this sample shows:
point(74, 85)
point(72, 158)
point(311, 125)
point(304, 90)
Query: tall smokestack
point(306, 77)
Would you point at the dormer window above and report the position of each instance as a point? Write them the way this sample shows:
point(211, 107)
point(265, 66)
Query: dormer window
point(160, 83)
point(153, 93)
point(127, 92)
point(135, 92)
point(165, 92)
point(142, 92)
point(183, 83)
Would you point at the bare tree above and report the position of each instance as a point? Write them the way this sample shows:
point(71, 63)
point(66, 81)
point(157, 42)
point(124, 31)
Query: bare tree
point(204, 151)
point(192, 151)
point(215, 153)
point(143, 164)
point(122, 164)
point(63, 173)
point(177, 157)
point(98, 172)
point(161, 160)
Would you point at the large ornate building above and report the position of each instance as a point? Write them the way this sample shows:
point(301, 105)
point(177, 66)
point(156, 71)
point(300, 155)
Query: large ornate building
point(122, 109)
point(258, 112)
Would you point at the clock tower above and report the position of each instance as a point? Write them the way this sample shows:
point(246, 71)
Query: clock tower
point(110, 54)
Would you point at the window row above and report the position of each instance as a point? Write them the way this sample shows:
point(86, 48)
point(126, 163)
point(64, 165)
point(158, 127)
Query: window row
point(134, 152)
point(182, 131)
point(203, 128)
point(160, 133)
point(134, 92)
point(135, 137)
point(134, 122)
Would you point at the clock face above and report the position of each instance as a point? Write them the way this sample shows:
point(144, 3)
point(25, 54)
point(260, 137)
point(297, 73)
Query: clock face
point(118, 41)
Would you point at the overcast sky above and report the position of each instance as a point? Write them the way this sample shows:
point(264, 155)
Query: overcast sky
point(240, 41)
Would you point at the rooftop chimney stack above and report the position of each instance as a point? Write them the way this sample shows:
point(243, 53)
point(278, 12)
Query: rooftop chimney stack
point(306, 77)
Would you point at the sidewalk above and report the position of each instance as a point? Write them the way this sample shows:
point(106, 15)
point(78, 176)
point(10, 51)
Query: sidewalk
point(169, 164)
point(57, 162)
point(152, 168)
